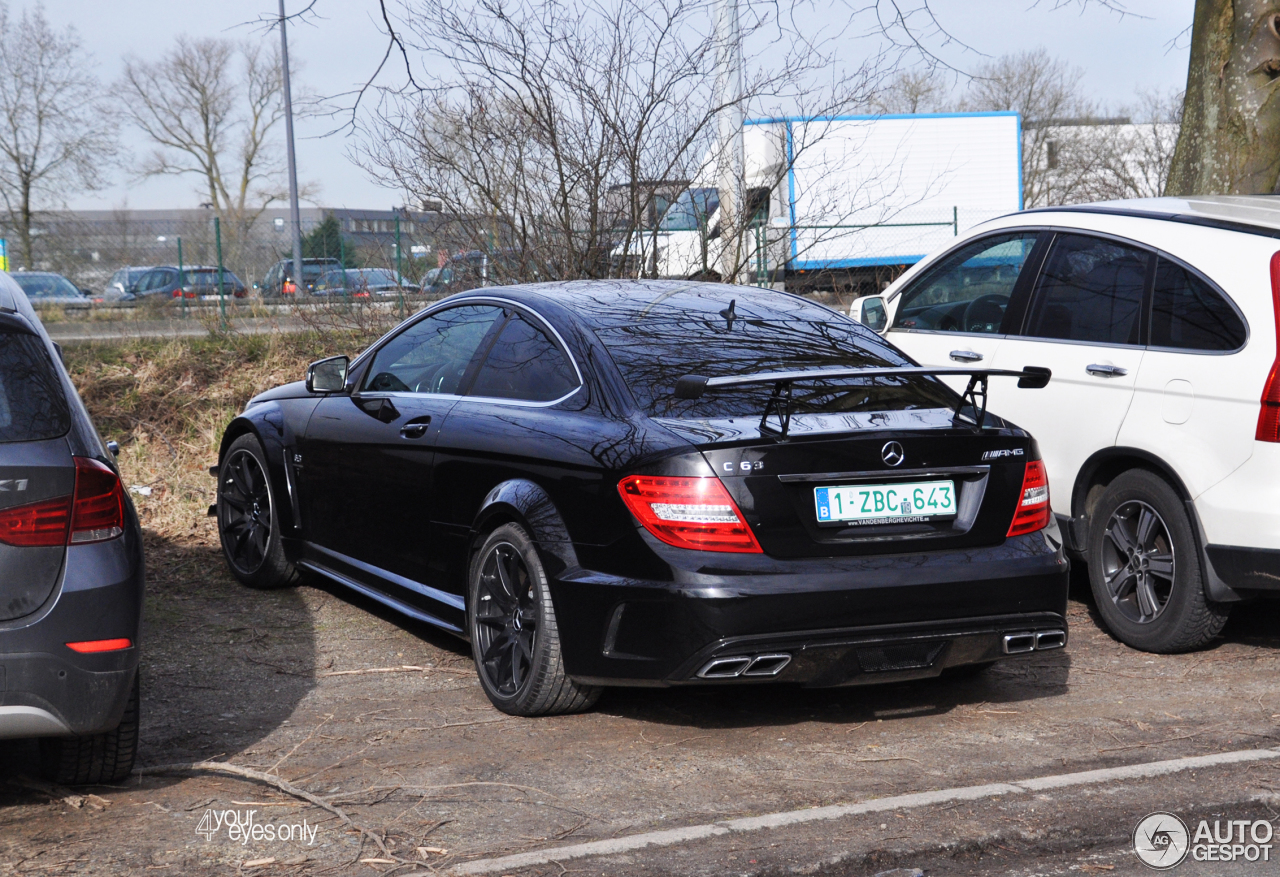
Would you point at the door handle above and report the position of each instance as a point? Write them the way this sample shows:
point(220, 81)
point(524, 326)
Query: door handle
point(966, 356)
point(1106, 371)
point(416, 428)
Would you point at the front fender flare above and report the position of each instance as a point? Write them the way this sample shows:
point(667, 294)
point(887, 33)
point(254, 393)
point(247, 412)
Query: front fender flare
point(268, 423)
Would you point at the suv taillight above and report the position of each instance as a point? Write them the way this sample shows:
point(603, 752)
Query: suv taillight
point(36, 524)
point(94, 514)
point(98, 512)
point(1269, 414)
point(1033, 510)
point(288, 288)
point(695, 513)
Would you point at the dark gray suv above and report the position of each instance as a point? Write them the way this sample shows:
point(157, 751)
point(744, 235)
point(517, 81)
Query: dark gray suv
point(71, 567)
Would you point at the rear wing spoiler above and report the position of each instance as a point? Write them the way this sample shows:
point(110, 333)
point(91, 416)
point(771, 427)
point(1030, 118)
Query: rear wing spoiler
point(780, 401)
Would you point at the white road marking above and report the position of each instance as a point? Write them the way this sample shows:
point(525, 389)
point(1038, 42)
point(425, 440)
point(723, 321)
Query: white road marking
point(674, 836)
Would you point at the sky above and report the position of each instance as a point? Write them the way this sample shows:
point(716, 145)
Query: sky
point(341, 46)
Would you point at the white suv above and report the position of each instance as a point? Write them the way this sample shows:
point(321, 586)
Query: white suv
point(1160, 429)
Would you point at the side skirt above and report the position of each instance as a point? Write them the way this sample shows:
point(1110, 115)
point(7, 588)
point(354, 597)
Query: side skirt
point(391, 602)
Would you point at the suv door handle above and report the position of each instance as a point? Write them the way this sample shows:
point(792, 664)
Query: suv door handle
point(1106, 371)
point(966, 356)
point(416, 428)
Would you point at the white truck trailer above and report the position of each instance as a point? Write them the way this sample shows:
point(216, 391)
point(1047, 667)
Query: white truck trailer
point(848, 202)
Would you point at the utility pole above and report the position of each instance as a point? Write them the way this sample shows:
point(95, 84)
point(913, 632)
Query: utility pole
point(294, 217)
point(730, 159)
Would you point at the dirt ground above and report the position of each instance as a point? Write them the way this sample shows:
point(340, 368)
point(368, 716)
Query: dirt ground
point(383, 720)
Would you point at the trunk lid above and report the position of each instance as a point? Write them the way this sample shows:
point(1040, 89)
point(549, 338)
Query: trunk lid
point(775, 483)
point(35, 465)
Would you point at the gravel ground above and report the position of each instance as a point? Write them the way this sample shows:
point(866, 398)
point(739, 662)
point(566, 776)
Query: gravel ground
point(383, 720)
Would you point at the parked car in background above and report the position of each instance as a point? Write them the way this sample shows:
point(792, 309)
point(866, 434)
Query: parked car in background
point(199, 280)
point(279, 278)
point(1161, 427)
point(471, 270)
point(123, 283)
point(612, 483)
point(43, 287)
point(71, 567)
point(363, 283)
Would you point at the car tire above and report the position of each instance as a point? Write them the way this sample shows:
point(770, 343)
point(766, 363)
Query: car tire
point(94, 758)
point(1144, 568)
point(250, 534)
point(519, 664)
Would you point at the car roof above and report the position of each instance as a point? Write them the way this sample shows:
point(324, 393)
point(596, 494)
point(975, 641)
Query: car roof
point(607, 304)
point(1256, 214)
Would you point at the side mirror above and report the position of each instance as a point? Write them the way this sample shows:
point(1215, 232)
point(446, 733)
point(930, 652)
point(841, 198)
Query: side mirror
point(328, 375)
point(870, 312)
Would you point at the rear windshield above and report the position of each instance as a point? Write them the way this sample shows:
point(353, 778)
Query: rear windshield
point(32, 404)
point(652, 356)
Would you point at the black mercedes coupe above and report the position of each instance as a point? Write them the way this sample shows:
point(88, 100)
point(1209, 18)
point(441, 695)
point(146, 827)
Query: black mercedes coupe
point(655, 483)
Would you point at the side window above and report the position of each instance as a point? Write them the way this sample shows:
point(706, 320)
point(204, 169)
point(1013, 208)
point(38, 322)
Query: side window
point(969, 290)
point(432, 355)
point(524, 364)
point(1090, 290)
point(149, 281)
point(1188, 313)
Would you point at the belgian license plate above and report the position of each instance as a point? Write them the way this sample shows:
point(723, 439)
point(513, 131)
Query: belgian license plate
point(886, 503)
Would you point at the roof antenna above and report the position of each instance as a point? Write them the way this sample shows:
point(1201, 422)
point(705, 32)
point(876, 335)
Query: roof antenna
point(729, 314)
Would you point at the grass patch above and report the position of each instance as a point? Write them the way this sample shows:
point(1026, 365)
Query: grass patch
point(167, 403)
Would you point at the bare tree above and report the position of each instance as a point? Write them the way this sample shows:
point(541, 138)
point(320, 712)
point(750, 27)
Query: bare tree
point(549, 130)
point(1044, 90)
point(52, 138)
point(921, 90)
point(211, 106)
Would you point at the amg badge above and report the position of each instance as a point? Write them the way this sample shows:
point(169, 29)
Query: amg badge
point(1004, 452)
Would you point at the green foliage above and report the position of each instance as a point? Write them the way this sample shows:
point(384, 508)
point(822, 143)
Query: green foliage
point(325, 242)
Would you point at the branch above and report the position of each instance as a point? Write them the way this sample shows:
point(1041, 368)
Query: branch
point(258, 776)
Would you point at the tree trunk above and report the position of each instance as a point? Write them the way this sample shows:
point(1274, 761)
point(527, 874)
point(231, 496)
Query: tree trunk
point(24, 226)
point(1230, 137)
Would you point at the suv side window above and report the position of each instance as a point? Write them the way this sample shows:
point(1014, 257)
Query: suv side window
point(432, 355)
point(969, 290)
point(1188, 313)
point(524, 364)
point(1090, 290)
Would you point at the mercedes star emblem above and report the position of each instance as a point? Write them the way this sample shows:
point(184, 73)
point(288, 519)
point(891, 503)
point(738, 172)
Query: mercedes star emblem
point(892, 454)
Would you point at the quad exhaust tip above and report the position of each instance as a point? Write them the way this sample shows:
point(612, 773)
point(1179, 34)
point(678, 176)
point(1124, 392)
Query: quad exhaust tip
point(745, 665)
point(1042, 640)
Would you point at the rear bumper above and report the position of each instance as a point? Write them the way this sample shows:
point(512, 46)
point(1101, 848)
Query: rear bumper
point(837, 621)
point(1246, 569)
point(46, 688)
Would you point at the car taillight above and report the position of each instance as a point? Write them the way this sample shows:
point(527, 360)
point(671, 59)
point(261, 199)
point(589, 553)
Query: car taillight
point(693, 513)
point(1033, 501)
point(36, 524)
point(288, 287)
point(1269, 414)
point(98, 512)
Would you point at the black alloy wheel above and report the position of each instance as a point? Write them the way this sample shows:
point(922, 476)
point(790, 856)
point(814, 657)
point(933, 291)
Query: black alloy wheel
point(506, 619)
point(246, 511)
point(247, 519)
point(514, 638)
point(1138, 562)
point(1145, 569)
